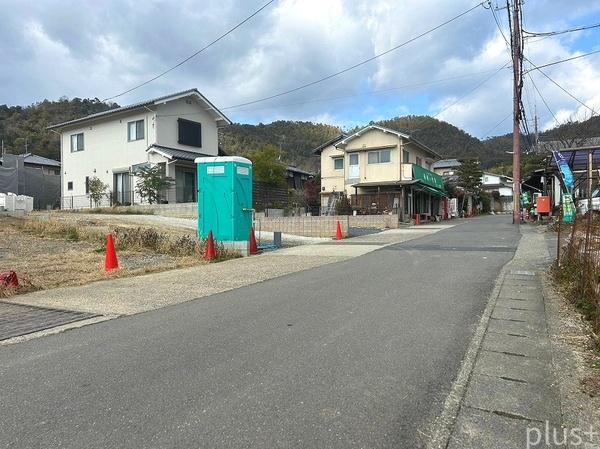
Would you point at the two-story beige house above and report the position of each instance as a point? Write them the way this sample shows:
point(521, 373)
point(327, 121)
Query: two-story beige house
point(382, 171)
point(170, 131)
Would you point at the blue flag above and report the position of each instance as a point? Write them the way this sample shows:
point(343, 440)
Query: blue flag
point(565, 170)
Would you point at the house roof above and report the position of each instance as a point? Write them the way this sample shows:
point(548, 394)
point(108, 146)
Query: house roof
point(446, 163)
point(392, 131)
point(293, 169)
point(173, 153)
point(30, 158)
point(212, 109)
point(321, 147)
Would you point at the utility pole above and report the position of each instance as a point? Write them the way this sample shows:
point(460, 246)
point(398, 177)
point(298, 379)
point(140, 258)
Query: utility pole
point(516, 57)
point(535, 124)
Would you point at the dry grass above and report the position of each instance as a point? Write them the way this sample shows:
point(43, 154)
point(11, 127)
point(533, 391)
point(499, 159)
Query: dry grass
point(54, 253)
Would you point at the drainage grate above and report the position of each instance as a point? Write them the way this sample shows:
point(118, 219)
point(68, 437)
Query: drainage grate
point(17, 319)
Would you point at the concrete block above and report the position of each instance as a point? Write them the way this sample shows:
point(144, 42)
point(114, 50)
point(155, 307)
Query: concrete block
point(512, 366)
point(532, 347)
point(521, 304)
point(530, 316)
point(530, 401)
point(476, 429)
point(516, 328)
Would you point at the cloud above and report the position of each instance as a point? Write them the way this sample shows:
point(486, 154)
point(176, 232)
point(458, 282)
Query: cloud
point(98, 49)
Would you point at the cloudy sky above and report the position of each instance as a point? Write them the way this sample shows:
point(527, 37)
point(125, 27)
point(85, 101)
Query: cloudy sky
point(98, 49)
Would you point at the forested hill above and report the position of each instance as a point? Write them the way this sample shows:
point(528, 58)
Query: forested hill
point(296, 139)
point(27, 124)
point(442, 137)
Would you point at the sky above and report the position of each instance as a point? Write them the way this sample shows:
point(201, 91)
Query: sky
point(87, 49)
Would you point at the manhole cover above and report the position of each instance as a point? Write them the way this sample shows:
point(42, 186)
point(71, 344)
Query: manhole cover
point(17, 319)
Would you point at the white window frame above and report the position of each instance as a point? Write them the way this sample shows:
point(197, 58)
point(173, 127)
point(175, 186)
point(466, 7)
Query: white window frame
point(335, 159)
point(378, 152)
point(131, 138)
point(77, 148)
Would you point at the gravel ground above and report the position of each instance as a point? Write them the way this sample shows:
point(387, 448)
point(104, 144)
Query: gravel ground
point(574, 358)
point(174, 223)
point(141, 293)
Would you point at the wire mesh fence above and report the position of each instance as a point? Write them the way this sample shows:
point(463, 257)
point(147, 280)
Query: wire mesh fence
point(578, 264)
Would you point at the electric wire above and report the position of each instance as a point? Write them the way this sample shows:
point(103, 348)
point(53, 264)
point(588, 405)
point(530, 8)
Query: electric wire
point(358, 64)
point(180, 63)
point(555, 33)
point(565, 60)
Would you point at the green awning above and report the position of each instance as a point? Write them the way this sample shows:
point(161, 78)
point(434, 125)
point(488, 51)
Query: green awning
point(431, 190)
point(427, 177)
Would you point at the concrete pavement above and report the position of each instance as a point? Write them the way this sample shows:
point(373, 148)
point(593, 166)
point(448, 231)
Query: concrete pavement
point(126, 296)
point(360, 353)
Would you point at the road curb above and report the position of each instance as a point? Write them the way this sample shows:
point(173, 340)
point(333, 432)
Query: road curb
point(57, 329)
point(441, 429)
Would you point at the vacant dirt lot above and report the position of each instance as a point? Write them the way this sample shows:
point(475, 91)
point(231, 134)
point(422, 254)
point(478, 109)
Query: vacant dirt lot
point(51, 256)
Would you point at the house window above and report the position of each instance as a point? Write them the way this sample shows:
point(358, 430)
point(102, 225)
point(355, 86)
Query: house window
point(87, 185)
point(379, 157)
point(190, 133)
point(405, 157)
point(419, 162)
point(135, 130)
point(338, 163)
point(76, 142)
point(70, 185)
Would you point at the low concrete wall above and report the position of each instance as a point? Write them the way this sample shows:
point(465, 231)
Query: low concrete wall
point(189, 210)
point(373, 221)
point(324, 226)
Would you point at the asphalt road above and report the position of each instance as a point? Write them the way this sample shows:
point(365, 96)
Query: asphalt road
point(360, 353)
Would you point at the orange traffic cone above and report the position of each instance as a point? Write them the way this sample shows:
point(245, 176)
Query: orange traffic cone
point(417, 219)
point(338, 231)
point(110, 261)
point(253, 245)
point(209, 251)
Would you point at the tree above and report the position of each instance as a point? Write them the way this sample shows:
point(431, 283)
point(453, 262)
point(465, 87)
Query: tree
point(469, 179)
point(97, 190)
point(152, 182)
point(312, 190)
point(469, 176)
point(266, 166)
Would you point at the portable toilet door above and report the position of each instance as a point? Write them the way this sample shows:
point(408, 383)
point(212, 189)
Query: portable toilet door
point(224, 197)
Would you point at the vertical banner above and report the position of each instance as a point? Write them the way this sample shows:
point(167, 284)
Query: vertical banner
point(567, 198)
point(565, 170)
point(568, 208)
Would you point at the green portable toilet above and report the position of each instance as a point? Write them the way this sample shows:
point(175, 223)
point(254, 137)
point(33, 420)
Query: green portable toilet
point(225, 199)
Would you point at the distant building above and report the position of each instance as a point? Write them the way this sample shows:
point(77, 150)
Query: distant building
point(446, 167)
point(500, 189)
point(383, 171)
point(31, 175)
point(296, 177)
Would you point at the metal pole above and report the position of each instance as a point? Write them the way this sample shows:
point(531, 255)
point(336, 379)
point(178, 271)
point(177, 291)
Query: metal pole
point(516, 55)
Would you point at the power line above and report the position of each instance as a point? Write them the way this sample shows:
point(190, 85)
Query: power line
point(543, 99)
point(565, 60)
point(554, 33)
point(497, 124)
point(503, 66)
point(231, 30)
point(561, 88)
point(361, 63)
point(373, 92)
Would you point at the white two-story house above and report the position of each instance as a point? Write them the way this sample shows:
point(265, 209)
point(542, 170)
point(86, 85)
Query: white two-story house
point(380, 170)
point(170, 131)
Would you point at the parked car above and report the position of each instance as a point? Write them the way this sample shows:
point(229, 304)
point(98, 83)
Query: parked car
point(582, 204)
